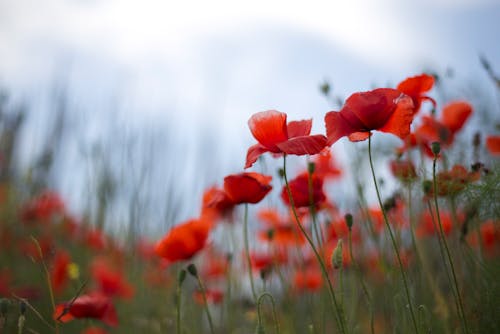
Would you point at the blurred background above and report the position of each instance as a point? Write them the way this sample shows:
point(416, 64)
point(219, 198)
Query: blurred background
point(131, 109)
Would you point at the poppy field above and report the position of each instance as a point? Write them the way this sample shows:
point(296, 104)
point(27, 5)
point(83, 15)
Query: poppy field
point(271, 250)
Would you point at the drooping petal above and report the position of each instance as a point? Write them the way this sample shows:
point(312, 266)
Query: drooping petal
point(253, 153)
point(399, 122)
point(455, 115)
point(247, 187)
point(336, 127)
point(299, 128)
point(269, 128)
point(303, 145)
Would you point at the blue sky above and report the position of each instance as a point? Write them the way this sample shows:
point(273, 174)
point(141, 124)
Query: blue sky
point(205, 67)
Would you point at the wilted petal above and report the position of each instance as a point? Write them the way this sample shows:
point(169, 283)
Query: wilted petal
point(269, 128)
point(303, 145)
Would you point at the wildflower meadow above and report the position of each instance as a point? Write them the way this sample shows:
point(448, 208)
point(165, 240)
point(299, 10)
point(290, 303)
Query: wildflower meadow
point(270, 249)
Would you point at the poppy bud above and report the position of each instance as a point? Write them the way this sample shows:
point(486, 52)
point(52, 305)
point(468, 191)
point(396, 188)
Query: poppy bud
point(436, 148)
point(337, 255)
point(311, 166)
point(22, 308)
point(281, 173)
point(476, 140)
point(348, 220)
point(270, 234)
point(181, 276)
point(325, 88)
point(192, 270)
point(427, 186)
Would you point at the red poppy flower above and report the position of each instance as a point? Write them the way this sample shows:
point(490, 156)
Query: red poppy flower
point(93, 305)
point(309, 279)
point(325, 165)
point(493, 144)
point(279, 230)
point(429, 225)
point(247, 187)
point(184, 240)
point(216, 203)
point(404, 170)
point(382, 109)
point(276, 136)
point(110, 281)
point(43, 207)
point(450, 183)
point(299, 187)
point(415, 87)
point(59, 274)
point(213, 296)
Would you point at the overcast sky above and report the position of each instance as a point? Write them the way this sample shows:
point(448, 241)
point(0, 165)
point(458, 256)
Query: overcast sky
point(211, 64)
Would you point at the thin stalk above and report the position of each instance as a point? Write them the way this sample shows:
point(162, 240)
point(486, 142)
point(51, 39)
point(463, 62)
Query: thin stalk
point(312, 209)
point(205, 301)
point(259, 303)
point(339, 317)
point(448, 254)
point(247, 251)
point(49, 284)
point(394, 244)
point(363, 285)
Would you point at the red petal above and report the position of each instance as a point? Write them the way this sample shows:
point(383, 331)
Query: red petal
point(247, 187)
point(336, 127)
point(299, 128)
point(372, 109)
point(399, 122)
point(269, 128)
point(415, 86)
point(359, 136)
point(253, 153)
point(455, 114)
point(304, 145)
point(493, 144)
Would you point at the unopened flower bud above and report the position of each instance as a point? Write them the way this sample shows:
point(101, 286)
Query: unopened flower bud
point(427, 186)
point(311, 166)
point(337, 255)
point(281, 173)
point(181, 276)
point(22, 308)
point(192, 270)
point(436, 148)
point(325, 88)
point(348, 220)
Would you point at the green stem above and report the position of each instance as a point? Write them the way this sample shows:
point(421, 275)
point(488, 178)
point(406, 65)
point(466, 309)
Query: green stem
point(247, 251)
point(259, 302)
point(338, 315)
point(363, 285)
point(448, 254)
point(202, 289)
point(394, 244)
point(312, 209)
point(178, 308)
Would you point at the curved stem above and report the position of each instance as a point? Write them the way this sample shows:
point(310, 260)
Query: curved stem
point(178, 308)
point(202, 289)
point(339, 317)
point(247, 251)
point(259, 302)
point(448, 254)
point(391, 234)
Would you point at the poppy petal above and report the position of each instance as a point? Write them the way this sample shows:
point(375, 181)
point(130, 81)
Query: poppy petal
point(359, 136)
point(299, 128)
point(247, 187)
point(493, 144)
point(399, 122)
point(269, 128)
point(372, 108)
point(304, 145)
point(455, 115)
point(415, 86)
point(253, 153)
point(336, 127)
